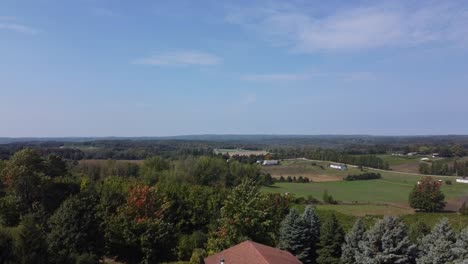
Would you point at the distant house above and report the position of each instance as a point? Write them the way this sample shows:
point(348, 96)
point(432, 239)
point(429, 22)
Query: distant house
point(435, 155)
point(339, 166)
point(249, 252)
point(270, 162)
point(424, 159)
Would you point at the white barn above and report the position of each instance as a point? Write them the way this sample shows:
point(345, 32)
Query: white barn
point(270, 162)
point(462, 180)
point(339, 166)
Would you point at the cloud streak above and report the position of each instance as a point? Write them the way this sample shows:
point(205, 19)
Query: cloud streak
point(18, 28)
point(181, 58)
point(276, 77)
point(9, 23)
point(294, 77)
point(393, 24)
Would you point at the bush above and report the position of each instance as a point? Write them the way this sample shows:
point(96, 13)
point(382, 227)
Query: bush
point(363, 176)
point(312, 200)
point(328, 198)
point(198, 256)
point(188, 243)
point(448, 182)
point(463, 209)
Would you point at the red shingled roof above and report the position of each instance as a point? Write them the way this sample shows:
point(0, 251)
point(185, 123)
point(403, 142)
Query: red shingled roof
point(249, 252)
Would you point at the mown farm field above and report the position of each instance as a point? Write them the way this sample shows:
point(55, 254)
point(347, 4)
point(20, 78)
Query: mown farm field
point(386, 196)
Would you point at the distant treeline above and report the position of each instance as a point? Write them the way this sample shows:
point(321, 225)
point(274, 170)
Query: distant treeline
point(332, 155)
point(363, 176)
point(357, 150)
point(295, 179)
point(458, 168)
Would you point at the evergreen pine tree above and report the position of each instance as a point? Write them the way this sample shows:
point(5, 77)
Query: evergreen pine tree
point(312, 227)
point(437, 247)
point(291, 235)
point(331, 239)
point(461, 246)
point(351, 246)
point(387, 242)
point(300, 234)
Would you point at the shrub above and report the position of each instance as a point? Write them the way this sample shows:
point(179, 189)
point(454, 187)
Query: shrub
point(363, 176)
point(198, 256)
point(328, 198)
point(463, 209)
point(448, 182)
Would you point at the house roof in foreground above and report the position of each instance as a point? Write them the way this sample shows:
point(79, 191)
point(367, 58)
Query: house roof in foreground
point(249, 252)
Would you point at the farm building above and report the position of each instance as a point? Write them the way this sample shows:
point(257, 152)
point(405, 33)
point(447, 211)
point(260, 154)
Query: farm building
point(249, 252)
point(339, 166)
point(270, 162)
point(462, 180)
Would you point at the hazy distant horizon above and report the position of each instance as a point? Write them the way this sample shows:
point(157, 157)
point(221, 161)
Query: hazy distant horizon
point(154, 68)
point(232, 135)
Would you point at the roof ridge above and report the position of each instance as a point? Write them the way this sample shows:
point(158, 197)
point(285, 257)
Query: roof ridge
point(259, 252)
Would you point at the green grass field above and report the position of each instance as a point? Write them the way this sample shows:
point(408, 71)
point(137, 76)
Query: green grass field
point(386, 196)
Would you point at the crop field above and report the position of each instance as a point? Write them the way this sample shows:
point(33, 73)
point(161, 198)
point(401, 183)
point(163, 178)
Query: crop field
point(403, 163)
point(240, 152)
point(388, 195)
point(315, 171)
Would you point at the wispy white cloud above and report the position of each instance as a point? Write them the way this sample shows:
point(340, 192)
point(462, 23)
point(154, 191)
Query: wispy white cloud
point(276, 77)
point(391, 24)
point(303, 76)
point(181, 58)
point(18, 28)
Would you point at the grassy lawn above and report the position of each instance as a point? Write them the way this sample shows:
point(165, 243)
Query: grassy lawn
point(386, 196)
point(386, 190)
point(366, 209)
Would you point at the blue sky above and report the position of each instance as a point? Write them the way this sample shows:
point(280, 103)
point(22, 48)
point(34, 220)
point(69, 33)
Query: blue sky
point(159, 68)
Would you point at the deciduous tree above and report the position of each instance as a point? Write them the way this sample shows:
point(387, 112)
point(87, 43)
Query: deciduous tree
point(427, 196)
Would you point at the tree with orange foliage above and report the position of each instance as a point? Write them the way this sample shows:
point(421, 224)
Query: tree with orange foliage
point(427, 196)
point(139, 231)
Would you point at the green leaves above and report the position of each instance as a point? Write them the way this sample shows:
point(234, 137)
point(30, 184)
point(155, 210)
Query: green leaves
point(427, 196)
point(246, 214)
